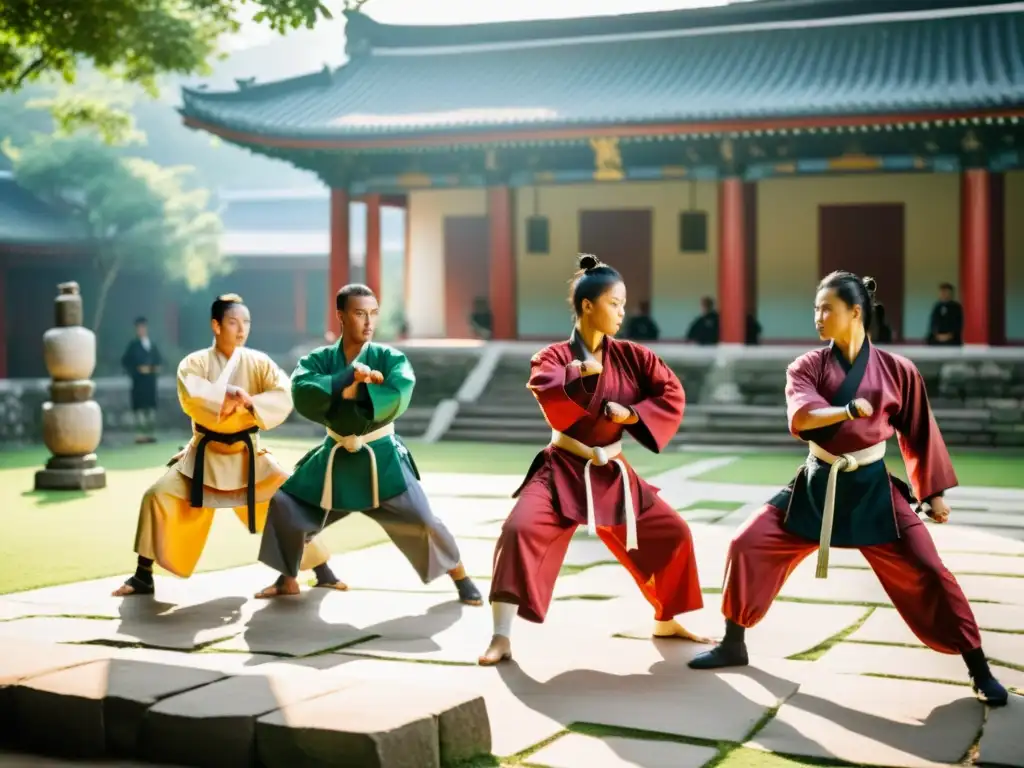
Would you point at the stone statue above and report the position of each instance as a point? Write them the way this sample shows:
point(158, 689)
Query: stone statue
point(72, 420)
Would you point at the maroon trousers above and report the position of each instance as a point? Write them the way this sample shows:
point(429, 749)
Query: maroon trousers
point(535, 538)
point(926, 594)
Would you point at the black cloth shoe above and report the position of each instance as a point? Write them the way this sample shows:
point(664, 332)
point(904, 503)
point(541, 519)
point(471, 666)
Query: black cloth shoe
point(990, 691)
point(722, 655)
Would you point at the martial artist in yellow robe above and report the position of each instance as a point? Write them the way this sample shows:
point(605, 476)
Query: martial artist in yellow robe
point(231, 393)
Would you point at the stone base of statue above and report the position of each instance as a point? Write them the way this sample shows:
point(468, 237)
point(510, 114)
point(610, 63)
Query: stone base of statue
point(71, 473)
point(72, 420)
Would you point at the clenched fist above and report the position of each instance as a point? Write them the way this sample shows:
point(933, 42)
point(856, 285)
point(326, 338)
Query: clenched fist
point(366, 375)
point(620, 414)
point(586, 367)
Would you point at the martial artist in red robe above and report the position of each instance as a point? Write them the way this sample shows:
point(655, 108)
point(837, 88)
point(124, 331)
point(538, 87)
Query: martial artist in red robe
point(846, 400)
point(591, 389)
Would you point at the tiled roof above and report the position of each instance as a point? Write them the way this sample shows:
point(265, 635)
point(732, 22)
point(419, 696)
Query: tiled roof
point(26, 220)
point(895, 63)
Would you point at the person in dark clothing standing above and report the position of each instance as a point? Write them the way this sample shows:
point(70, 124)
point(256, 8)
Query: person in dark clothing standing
point(947, 324)
point(142, 361)
point(881, 331)
point(641, 326)
point(753, 335)
point(704, 330)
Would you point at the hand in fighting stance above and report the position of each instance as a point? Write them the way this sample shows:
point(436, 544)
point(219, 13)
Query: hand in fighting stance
point(235, 399)
point(363, 375)
point(620, 414)
point(939, 511)
point(862, 407)
point(586, 367)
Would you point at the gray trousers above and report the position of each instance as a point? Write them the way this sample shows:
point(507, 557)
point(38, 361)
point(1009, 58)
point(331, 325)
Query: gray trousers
point(425, 541)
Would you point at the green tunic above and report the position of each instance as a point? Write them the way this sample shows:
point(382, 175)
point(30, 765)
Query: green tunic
point(317, 384)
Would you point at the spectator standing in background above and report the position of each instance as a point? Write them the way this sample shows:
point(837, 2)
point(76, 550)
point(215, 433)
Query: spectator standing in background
point(141, 361)
point(947, 324)
point(704, 330)
point(641, 327)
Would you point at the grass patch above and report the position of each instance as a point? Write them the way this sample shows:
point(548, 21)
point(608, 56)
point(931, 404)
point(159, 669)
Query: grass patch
point(572, 570)
point(972, 468)
point(722, 506)
point(49, 538)
point(822, 648)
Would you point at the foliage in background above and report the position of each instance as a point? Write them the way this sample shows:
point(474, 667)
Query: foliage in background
point(131, 40)
point(136, 212)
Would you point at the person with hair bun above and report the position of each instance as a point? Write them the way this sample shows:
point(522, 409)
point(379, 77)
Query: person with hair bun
point(591, 389)
point(231, 393)
point(845, 401)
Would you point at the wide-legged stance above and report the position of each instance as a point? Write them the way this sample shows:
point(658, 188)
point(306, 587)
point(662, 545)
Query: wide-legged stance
point(408, 520)
point(763, 554)
point(173, 534)
point(535, 538)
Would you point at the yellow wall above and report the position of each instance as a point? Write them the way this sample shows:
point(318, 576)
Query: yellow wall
point(427, 212)
point(1014, 191)
point(787, 243)
point(679, 280)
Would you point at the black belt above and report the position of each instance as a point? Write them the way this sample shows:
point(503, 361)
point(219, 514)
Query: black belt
point(209, 436)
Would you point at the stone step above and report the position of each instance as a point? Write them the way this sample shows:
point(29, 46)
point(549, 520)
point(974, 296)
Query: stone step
point(83, 702)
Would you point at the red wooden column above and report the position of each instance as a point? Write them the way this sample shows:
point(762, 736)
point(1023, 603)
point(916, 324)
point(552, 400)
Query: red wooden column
point(171, 320)
point(338, 271)
point(300, 301)
point(3, 322)
point(373, 264)
point(975, 261)
point(732, 263)
point(503, 262)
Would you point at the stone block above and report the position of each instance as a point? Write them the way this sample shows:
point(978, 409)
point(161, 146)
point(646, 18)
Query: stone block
point(215, 726)
point(377, 725)
point(22, 660)
point(97, 708)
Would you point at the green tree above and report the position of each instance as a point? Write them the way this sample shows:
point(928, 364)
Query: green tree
point(134, 40)
point(136, 212)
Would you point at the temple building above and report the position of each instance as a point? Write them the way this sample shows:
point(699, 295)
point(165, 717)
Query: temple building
point(737, 152)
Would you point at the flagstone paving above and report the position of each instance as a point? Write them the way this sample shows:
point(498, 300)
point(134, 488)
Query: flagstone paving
point(388, 668)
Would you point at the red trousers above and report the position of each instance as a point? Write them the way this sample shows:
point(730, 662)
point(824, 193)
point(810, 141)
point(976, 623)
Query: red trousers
point(926, 594)
point(535, 538)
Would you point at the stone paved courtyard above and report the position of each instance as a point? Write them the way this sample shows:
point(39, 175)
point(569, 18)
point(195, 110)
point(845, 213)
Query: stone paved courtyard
point(205, 675)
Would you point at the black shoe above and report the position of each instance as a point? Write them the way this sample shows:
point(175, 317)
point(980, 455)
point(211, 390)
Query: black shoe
point(990, 691)
point(722, 655)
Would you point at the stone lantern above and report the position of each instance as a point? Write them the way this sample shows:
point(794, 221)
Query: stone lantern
point(72, 420)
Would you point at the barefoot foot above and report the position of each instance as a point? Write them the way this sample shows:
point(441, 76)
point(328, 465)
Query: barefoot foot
point(133, 586)
point(673, 628)
point(280, 588)
point(498, 651)
point(338, 585)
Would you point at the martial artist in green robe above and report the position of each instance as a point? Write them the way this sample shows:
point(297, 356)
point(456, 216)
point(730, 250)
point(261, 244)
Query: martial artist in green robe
point(357, 389)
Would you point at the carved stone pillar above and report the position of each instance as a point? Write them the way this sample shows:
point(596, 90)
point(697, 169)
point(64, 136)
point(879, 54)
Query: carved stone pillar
point(72, 420)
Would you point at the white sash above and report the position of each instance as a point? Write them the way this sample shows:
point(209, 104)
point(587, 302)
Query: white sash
point(353, 444)
point(601, 455)
point(848, 462)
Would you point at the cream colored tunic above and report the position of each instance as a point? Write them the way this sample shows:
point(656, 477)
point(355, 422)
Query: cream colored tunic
point(227, 465)
point(170, 531)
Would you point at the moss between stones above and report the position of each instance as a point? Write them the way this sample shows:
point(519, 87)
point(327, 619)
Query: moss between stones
point(815, 653)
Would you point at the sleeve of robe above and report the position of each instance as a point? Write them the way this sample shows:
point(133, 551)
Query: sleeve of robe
point(802, 393)
point(274, 402)
point(661, 412)
point(550, 382)
point(384, 403)
point(925, 455)
point(199, 409)
point(316, 390)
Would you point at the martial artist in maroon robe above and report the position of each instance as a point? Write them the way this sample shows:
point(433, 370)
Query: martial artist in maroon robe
point(591, 394)
point(846, 400)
